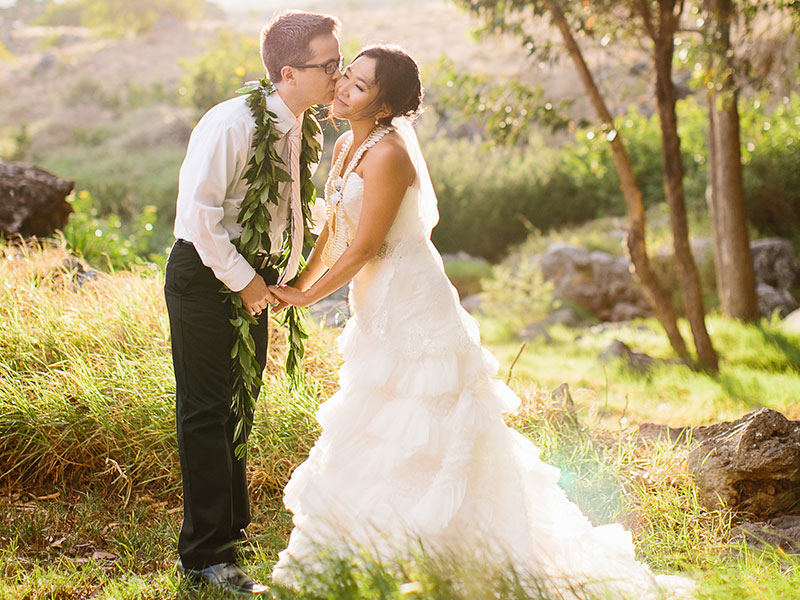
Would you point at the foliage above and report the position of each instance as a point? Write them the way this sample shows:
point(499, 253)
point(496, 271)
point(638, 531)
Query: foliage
point(5, 53)
point(506, 110)
point(227, 61)
point(124, 183)
point(466, 273)
point(104, 241)
point(771, 154)
point(87, 448)
point(517, 293)
point(86, 384)
point(117, 17)
point(265, 172)
point(537, 187)
point(16, 144)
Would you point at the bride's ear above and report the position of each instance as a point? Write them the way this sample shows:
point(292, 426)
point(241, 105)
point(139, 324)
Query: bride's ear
point(384, 111)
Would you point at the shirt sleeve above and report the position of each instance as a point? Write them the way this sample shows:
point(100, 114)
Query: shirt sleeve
point(215, 159)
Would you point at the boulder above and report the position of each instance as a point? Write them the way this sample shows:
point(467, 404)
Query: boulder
point(32, 200)
point(782, 532)
point(775, 263)
point(637, 361)
point(792, 322)
point(566, 316)
point(535, 331)
point(596, 281)
point(771, 299)
point(334, 310)
point(751, 465)
point(472, 303)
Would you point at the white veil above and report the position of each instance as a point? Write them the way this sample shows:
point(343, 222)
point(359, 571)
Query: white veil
point(427, 210)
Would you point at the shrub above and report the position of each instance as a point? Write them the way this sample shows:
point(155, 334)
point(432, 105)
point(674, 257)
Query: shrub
point(227, 62)
point(772, 155)
point(490, 197)
point(103, 241)
point(123, 184)
point(117, 17)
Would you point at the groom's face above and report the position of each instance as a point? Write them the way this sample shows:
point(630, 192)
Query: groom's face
point(314, 84)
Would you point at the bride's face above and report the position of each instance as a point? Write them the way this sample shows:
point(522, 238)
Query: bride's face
point(357, 91)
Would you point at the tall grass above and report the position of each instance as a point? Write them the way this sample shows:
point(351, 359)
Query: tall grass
point(87, 389)
point(90, 503)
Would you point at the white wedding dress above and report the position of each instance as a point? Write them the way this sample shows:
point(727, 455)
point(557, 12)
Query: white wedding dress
point(414, 448)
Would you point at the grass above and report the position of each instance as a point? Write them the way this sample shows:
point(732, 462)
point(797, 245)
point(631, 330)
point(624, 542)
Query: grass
point(759, 368)
point(89, 492)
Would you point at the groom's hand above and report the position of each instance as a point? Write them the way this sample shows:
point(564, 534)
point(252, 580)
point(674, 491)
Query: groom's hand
point(256, 295)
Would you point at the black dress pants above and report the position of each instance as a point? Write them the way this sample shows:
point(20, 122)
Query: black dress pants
point(215, 495)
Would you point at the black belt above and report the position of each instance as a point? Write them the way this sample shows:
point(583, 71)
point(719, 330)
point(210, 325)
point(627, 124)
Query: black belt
point(262, 259)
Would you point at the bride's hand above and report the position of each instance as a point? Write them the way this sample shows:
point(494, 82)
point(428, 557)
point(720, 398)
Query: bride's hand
point(289, 295)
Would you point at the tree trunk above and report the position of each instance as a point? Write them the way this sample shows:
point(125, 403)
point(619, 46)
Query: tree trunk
point(658, 298)
point(725, 189)
point(688, 275)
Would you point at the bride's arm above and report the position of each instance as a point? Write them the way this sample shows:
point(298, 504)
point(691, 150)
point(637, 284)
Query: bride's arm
point(314, 267)
point(387, 175)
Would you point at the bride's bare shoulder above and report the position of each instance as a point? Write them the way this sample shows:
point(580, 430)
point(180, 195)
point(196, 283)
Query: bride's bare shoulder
point(391, 153)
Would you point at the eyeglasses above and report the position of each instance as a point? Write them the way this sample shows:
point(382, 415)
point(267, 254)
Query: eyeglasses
point(329, 67)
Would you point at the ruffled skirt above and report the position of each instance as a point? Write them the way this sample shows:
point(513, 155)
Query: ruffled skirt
point(414, 450)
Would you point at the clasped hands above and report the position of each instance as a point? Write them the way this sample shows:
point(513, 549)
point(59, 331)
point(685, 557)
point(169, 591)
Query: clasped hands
point(257, 296)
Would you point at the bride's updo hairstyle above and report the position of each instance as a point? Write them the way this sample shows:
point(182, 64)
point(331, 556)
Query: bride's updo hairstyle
point(397, 77)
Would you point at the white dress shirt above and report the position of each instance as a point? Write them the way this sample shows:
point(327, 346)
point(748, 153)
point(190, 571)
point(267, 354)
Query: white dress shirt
point(211, 186)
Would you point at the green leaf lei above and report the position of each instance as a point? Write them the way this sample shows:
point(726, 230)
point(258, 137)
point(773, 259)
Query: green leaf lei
point(265, 171)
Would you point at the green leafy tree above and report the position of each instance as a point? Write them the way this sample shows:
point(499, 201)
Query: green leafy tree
point(227, 61)
point(570, 19)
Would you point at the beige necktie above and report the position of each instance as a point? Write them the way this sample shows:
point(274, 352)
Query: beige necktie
point(295, 206)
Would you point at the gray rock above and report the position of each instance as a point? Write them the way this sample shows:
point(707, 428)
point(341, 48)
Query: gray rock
point(334, 310)
point(472, 303)
point(652, 432)
point(595, 281)
point(535, 331)
point(637, 361)
point(771, 299)
point(775, 263)
point(566, 316)
point(751, 464)
point(782, 532)
point(792, 322)
point(624, 311)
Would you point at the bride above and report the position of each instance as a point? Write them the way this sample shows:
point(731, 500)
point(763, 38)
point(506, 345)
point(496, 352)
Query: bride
point(414, 448)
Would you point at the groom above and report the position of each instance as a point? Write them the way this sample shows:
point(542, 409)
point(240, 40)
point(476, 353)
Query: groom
point(300, 51)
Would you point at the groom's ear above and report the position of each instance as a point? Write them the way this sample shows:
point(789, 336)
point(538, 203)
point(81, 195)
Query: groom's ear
point(288, 75)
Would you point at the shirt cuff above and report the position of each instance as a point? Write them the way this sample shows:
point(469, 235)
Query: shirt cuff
point(239, 276)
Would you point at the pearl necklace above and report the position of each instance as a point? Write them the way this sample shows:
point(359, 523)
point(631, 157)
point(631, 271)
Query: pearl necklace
point(339, 235)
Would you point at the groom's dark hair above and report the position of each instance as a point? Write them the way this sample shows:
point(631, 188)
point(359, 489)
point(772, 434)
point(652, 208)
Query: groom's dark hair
point(286, 40)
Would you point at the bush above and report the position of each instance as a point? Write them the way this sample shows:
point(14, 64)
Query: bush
point(491, 197)
point(104, 241)
point(227, 62)
point(772, 179)
point(117, 17)
point(122, 184)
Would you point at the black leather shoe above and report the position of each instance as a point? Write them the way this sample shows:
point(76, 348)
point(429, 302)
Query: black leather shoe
point(225, 576)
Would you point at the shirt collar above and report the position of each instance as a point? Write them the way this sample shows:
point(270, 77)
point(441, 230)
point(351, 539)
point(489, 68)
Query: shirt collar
point(286, 119)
